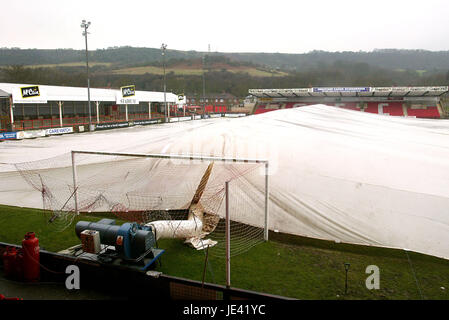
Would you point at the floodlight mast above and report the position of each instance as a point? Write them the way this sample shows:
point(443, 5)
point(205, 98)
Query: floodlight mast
point(85, 25)
point(167, 114)
point(204, 90)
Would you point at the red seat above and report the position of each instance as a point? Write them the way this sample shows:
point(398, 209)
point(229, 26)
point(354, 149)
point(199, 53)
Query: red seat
point(289, 105)
point(387, 108)
point(394, 109)
point(347, 105)
point(429, 112)
point(372, 107)
point(260, 109)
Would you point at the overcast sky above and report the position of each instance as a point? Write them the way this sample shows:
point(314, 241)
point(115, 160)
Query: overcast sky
point(229, 26)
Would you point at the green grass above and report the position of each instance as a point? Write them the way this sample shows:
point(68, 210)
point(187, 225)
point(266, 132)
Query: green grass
point(15, 222)
point(178, 70)
point(69, 64)
point(291, 266)
point(419, 72)
point(193, 71)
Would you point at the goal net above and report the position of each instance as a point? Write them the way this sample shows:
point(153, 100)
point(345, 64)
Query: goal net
point(173, 192)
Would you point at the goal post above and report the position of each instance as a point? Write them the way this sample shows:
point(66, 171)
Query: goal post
point(187, 161)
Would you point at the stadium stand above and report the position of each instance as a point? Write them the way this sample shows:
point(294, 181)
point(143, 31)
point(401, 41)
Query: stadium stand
point(419, 102)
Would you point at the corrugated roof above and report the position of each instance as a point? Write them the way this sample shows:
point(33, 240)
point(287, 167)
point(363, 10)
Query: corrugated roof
point(4, 94)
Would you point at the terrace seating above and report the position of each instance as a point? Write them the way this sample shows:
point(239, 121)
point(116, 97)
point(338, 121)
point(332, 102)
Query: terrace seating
point(427, 112)
point(261, 109)
point(394, 109)
point(289, 105)
point(348, 105)
point(387, 108)
point(372, 107)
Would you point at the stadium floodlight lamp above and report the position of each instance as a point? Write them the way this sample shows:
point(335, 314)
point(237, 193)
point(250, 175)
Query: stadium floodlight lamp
point(85, 25)
point(163, 47)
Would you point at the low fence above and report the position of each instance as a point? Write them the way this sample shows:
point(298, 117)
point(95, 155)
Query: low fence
point(127, 283)
point(40, 127)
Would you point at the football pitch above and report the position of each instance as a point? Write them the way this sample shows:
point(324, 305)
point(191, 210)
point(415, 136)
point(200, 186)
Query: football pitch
point(290, 266)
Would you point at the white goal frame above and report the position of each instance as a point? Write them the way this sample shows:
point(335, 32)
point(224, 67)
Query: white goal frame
point(178, 157)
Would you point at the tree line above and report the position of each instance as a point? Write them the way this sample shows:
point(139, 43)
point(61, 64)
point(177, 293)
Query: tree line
point(430, 61)
point(339, 73)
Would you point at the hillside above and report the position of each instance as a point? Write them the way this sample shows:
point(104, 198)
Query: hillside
point(232, 73)
point(194, 66)
point(392, 59)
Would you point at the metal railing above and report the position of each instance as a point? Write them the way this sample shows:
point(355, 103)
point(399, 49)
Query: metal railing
point(30, 124)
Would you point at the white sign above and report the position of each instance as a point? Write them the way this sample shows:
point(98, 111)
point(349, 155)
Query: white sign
point(53, 131)
point(127, 95)
point(235, 115)
point(342, 89)
point(31, 134)
point(29, 94)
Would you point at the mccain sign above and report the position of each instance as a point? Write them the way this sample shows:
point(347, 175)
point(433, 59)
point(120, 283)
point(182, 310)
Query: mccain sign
point(29, 94)
point(127, 95)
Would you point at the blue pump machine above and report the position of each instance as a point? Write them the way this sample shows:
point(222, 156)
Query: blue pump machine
point(134, 244)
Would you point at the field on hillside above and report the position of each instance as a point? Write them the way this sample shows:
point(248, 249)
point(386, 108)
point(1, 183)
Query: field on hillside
point(286, 265)
point(70, 64)
point(185, 70)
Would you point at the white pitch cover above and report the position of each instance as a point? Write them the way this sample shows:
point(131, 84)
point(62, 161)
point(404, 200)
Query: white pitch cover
point(335, 174)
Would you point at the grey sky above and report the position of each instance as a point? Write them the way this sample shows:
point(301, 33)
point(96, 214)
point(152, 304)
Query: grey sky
point(229, 26)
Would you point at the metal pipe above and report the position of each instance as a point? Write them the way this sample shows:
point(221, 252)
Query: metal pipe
point(11, 109)
point(60, 113)
point(75, 193)
point(98, 111)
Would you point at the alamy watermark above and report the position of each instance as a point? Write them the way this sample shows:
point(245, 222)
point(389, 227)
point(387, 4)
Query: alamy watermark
point(373, 280)
point(73, 280)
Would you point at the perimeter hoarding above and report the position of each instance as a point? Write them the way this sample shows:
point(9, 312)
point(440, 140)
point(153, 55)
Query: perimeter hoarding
point(8, 135)
point(342, 89)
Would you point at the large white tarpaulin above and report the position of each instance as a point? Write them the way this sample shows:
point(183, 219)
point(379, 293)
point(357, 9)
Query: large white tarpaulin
point(335, 174)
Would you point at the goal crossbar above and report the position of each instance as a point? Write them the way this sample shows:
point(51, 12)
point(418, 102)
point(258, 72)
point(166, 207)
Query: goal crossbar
point(169, 156)
point(179, 157)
